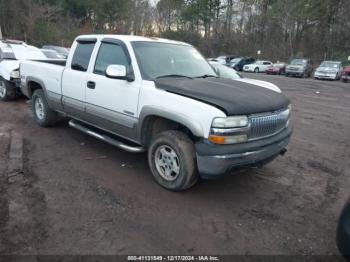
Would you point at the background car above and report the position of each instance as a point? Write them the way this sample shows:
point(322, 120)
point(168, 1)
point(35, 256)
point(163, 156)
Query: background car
point(277, 69)
point(59, 49)
point(258, 66)
point(52, 54)
point(346, 74)
point(239, 63)
point(329, 70)
point(225, 60)
point(230, 73)
point(11, 55)
point(343, 232)
point(299, 67)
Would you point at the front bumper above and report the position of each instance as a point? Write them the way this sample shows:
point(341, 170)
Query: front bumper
point(217, 160)
point(295, 73)
point(326, 75)
point(345, 77)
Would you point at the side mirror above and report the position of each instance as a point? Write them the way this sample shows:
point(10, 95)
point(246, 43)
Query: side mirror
point(119, 72)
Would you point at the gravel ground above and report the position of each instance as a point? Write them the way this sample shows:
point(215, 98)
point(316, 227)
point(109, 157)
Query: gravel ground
point(77, 195)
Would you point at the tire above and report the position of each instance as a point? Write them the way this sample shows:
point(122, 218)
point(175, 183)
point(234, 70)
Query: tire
point(43, 115)
point(7, 90)
point(173, 150)
point(256, 70)
point(287, 75)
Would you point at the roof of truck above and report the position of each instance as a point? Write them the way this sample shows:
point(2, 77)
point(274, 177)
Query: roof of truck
point(133, 38)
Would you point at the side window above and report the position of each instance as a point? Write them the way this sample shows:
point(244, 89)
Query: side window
point(267, 63)
point(109, 54)
point(82, 55)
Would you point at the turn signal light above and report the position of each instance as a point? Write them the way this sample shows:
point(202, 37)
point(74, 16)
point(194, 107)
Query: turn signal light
point(225, 140)
point(217, 139)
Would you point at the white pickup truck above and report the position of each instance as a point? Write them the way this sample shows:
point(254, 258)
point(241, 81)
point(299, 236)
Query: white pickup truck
point(161, 96)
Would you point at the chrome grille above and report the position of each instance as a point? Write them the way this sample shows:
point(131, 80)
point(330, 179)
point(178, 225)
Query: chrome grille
point(268, 124)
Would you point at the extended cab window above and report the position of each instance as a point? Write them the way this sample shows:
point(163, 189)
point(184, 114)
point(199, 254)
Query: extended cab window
point(109, 54)
point(82, 56)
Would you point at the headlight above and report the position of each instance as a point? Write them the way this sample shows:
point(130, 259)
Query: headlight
point(229, 130)
point(14, 74)
point(230, 122)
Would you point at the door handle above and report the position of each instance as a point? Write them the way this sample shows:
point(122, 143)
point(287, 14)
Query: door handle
point(91, 85)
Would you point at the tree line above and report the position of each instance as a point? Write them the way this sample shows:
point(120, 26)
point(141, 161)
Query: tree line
point(281, 29)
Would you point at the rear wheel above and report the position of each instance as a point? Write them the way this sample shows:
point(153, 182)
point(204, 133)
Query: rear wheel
point(172, 160)
point(7, 90)
point(43, 115)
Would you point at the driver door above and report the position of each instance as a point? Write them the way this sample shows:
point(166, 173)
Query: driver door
point(112, 103)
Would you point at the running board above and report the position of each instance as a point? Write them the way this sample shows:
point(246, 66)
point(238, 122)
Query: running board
point(106, 138)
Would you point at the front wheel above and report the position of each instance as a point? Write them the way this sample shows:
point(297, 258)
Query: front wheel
point(43, 114)
point(7, 90)
point(256, 70)
point(172, 160)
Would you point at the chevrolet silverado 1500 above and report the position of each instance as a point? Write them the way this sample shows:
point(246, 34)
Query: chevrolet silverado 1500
point(160, 96)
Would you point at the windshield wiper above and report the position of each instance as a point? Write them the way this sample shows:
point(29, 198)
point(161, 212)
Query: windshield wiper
point(206, 76)
point(174, 76)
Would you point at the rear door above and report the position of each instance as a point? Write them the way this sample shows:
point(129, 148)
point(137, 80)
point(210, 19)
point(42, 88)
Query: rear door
point(112, 103)
point(74, 78)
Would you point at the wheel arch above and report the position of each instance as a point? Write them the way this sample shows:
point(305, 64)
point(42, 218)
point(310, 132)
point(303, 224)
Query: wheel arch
point(154, 120)
point(33, 84)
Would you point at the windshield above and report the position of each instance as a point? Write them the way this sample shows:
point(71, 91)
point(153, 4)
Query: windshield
point(59, 49)
point(226, 72)
point(23, 52)
point(299, 62)
point(330, 64)
point(51, 54)
point(163, 59)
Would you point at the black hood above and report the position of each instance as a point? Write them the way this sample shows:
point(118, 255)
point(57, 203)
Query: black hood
point(233, 97)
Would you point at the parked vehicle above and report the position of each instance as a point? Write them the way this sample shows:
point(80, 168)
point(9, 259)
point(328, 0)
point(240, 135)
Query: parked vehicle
point(346, 74)
point(161, 96)
point(225, 60)
point(239, 63)
point(11, 54)
point(329, 70)
point(258, 66)
point(277, 69)
point(59, 49)
point(52, 54)
point(230, 73)
point(300, 67)
point(343, 232)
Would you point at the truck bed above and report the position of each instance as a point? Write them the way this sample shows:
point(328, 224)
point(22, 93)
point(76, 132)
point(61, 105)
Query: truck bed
point(48, 72)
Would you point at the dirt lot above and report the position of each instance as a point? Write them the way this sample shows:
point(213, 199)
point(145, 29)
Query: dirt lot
point(77, 195)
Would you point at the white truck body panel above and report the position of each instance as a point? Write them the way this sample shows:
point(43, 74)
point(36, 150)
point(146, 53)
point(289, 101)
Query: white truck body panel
point(53, 74)
point(6, 67)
